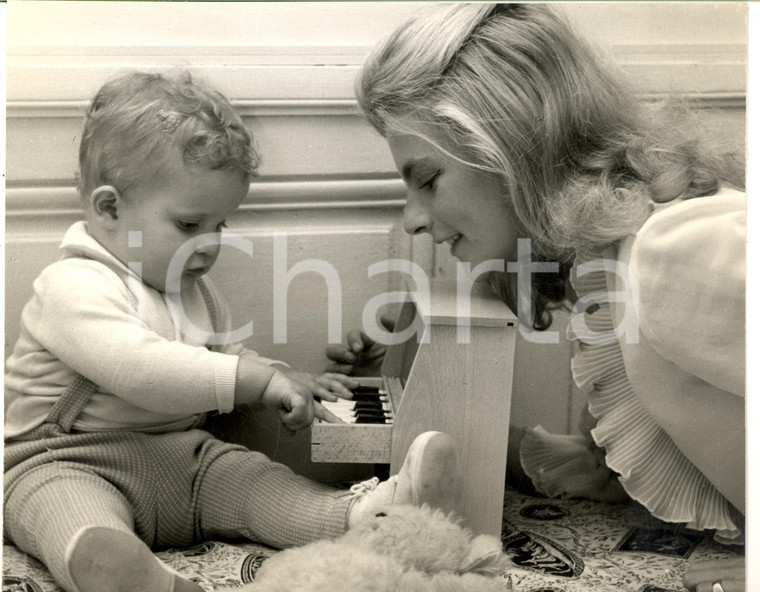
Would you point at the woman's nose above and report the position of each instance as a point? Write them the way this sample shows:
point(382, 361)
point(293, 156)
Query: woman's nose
point(417, 217)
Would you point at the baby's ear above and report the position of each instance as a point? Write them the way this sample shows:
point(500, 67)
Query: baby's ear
point(104, 202)
point(485, 557)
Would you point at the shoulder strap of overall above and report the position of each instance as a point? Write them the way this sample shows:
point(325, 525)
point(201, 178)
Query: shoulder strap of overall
point(210, 302)
point(70, 404)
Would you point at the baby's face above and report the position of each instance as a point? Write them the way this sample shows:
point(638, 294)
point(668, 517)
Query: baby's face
point(170, 215)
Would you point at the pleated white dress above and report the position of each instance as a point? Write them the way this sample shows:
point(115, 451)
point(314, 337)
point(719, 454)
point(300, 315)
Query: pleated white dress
point(660, 328)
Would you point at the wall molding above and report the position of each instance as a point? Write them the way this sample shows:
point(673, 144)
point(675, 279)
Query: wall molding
point(235, 54)
point(303, 99)
point(327, 107)
point(51, 73)
point(61, 201)
point(239, 54)
point(246, 108)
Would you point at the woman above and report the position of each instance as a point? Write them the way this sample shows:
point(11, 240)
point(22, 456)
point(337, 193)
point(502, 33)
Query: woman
point(504, 125)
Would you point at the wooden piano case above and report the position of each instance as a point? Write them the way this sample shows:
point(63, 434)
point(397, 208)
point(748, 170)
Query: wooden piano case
point(434, 382)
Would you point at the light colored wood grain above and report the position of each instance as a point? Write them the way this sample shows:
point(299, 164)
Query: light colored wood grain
point(472, 305)
point(464, 390)
point(350, 443)
point(438, 384)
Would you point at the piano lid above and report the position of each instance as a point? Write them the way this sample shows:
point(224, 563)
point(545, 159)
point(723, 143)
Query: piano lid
point(442, 305)
point(450, 303)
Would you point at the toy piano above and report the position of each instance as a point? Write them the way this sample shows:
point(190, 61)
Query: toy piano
point(453, 375)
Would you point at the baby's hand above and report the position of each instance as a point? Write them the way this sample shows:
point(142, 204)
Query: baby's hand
point(327, 386)
point(293, 401)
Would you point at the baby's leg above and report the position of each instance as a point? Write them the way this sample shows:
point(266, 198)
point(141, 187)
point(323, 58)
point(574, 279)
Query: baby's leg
point(81, 527)
point(244, 494)
point(103, 559)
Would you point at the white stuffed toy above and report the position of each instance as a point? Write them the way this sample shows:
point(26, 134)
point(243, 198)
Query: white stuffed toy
point(401, 549)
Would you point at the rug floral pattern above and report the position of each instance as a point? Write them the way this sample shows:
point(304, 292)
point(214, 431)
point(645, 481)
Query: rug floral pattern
point(556, 546)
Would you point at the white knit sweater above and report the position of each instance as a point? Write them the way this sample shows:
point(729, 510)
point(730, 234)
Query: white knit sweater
point(81, 319)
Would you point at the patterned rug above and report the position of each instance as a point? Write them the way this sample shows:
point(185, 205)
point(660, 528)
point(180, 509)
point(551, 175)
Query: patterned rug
point(556, 546)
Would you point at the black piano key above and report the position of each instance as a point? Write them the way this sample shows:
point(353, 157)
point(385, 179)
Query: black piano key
point(366, 390)
point(367, 397)
point(370, 408)
point(370, 413)
point(368, 405)
point(378, 420)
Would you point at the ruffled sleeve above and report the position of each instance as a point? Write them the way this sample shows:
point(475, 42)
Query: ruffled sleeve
point(687, 265)
point(690, 263)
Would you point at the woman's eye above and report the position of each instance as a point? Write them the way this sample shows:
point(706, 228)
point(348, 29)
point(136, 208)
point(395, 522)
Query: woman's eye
point(187, 226)
point(430, 182)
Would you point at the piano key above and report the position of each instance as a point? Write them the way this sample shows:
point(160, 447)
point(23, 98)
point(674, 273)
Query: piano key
point(356, 406)
point(341, 411)
point(377, 412)
point(373, 420)
point(370, 409)
point(373, 409)
point(369, 397)
point(368, 390)
point(369, 405)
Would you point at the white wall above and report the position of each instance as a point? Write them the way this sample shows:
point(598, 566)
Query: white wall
point(327, 179)
point(337, 23)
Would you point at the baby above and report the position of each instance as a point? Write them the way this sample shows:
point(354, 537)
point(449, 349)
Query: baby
point(125, 345)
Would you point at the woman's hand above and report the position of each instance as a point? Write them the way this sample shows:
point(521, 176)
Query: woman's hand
point(360, 355)
point(730, 573)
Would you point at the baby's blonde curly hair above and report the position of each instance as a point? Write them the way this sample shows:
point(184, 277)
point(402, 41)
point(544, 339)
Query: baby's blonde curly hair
point(138, 119)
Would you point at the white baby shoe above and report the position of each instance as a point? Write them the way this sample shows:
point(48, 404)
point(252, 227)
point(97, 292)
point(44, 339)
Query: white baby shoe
point(428, 476)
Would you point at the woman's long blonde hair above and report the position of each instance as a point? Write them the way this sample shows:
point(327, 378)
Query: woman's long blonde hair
point(581, 157)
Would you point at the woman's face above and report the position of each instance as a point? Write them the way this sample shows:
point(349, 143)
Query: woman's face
point(454, 203)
